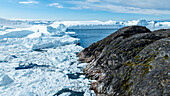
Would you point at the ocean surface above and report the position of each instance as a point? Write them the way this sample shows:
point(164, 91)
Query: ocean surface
point(89, 36)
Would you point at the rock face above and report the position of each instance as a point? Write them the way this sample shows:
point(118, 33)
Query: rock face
point(132, 61)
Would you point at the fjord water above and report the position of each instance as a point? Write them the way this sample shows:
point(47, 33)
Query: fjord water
point(89, 36)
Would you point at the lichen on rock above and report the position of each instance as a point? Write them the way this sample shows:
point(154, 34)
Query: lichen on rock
point(131, 61)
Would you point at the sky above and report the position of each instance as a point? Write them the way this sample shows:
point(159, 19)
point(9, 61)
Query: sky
point(85, 9)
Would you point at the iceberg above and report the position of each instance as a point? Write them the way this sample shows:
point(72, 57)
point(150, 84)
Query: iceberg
point(59, 27)
point(16, 34)
point(72, 34)
point(53, 42)
point(142, 23)
point(111, 24)
point(88, 24)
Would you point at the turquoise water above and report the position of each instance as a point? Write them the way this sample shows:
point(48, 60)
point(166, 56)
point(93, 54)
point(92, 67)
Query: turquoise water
point(89, 36)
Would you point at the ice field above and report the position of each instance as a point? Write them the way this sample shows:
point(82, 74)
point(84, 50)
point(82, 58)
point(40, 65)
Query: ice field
point(37, 62)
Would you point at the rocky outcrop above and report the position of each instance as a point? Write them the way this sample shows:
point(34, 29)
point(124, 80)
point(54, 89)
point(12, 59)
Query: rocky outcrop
point(131, 61)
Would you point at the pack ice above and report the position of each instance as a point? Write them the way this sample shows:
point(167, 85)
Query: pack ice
point(40, 60)
point(153, 25)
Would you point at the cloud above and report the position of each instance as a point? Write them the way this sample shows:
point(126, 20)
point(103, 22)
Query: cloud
point(125, 6)
point(93, 0)
point(155, 4)
point(56, 5)
point(29, 2)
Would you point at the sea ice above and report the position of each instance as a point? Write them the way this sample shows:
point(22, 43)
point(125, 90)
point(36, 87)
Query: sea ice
point(25, 92)
point(16, 34)
point(37, 62)
point(5, 80)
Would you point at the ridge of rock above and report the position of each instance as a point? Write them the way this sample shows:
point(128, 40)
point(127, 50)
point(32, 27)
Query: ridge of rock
point(131, 61)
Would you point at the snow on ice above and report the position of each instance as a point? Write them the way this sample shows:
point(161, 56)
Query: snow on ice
point(38, 60)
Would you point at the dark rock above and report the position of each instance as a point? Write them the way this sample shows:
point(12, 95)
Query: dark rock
point(94, 50)
point(131, 61)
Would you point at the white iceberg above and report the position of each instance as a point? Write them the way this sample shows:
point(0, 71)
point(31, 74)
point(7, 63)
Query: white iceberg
point(88, 24)
point(16, 34)
point(53, 42)
point(59, 27)
point(142, 23)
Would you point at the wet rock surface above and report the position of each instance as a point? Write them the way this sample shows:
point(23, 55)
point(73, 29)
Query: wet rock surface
point(131, 61)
